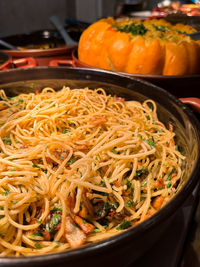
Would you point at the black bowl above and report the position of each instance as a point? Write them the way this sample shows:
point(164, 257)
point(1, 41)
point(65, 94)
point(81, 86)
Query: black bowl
point(131, 244)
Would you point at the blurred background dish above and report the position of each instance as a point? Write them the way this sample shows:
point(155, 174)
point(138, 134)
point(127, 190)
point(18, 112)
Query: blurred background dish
point(43, 45)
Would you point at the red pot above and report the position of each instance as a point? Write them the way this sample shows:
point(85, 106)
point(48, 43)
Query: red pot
point(35, 42)
point(6, 62)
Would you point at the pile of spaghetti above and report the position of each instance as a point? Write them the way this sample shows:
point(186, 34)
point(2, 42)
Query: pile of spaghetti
point(77, 166)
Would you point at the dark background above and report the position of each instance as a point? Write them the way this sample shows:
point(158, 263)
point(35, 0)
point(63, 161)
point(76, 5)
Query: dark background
point(24, 16)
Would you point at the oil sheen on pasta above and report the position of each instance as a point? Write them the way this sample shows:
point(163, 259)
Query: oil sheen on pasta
point(77, 166)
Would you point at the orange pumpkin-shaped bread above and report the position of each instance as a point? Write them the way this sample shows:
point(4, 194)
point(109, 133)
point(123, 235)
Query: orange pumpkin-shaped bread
point(149, 47)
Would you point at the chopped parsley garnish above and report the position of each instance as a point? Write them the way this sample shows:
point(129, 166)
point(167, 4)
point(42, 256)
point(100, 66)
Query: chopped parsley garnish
point(124, 225)
point(57, 208)
point(150, 142)
point(71, 161)
point(160, 28)
point(36, 166)
point(96, 230)
point(36, 234)
point(170, 175)
point(114, 151)
point(145, 183)
point(7, 140)
point(129, 203)
point(16, 141)
point(169, 184)
point(38, 246)
point(178, 31)
point(54, 222)
point(6, 192)
point(75, 224)
point(65, 131)
point(107, 206)
point(69, 122)
point(148, 117)
point(133, 28)
point(128, 184)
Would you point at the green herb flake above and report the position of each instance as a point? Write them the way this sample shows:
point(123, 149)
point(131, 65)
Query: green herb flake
point(124, 225)
point(132, 191)
point(5, 193)
point(1, 124)
point(65, 131)
point(133, 28)
point(114, 151)
point(71, 161)
point(129, 203)
point(57, 208)
point(16, 141)
point(7, 140)
point(148, 117)
point(170, 175)
point(128, 184)
point(96, 230)
point(69, 122)
point(145, 183)
point(36, 166)
point(150, 142)
point(107, 206)
point(169, 184)
point(159, 28)
point(75, 224)
point(54, 221)
point(38, 246)
point(36, 234)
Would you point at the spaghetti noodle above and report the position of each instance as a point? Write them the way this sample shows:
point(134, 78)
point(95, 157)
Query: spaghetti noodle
point(78, 166)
